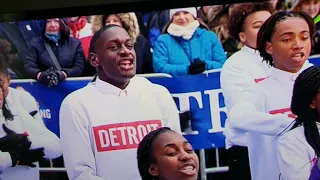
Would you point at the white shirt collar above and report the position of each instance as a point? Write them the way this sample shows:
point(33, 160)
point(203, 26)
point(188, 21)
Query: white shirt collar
point(105, 87)
point(284, 76)
point(250, 50)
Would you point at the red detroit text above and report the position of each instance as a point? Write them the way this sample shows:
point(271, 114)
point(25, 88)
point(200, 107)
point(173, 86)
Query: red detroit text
point(123, 135)
point(286, 111)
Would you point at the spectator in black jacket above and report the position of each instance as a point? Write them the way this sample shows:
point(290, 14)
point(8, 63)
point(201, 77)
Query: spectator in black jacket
point(67, 50)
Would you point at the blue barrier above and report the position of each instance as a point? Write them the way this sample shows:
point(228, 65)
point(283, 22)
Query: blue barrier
point(199, 93)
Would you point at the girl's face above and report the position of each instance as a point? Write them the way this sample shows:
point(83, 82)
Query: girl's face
point(174, 157)
point(251, 27)
point(113, 19)
point(4, 84)
point(312, 8)
point(290, 44)
point(52, 26)
point(1, 98)
point(182, 18)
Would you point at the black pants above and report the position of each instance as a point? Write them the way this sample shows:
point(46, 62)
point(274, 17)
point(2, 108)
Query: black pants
point(239, 167)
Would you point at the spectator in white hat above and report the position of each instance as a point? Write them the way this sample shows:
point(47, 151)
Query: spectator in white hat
point(312, 8)
point(187, 47)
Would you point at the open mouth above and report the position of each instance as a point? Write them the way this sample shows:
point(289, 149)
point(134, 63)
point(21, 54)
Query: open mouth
point(298, 56)
point(126, 64)
point(189, 169)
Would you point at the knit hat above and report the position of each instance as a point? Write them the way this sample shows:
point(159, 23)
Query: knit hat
point(191, 10)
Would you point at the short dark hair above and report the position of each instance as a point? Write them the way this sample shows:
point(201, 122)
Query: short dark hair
point(97, 35)
point(241, 11)
point(267, 30)
point(305, 89)
point(144, 152)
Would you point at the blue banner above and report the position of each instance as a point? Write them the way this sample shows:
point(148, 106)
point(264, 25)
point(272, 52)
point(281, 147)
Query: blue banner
point(199, 93)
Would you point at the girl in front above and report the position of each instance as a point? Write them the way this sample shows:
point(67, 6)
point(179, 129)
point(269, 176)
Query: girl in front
point(164, 154)
point(284, 42)
point(298, 149)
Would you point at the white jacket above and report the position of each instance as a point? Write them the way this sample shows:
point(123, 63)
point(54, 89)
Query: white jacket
point(243, 69)
point(39, 136)
point(25, 99)
point(264, 112)
point(102, 125)
point(295, 156)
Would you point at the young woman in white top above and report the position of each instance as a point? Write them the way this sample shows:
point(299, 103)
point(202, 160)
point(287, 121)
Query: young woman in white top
point(299, 148)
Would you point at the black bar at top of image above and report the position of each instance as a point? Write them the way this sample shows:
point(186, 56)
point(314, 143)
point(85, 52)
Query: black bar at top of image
point(17, 10)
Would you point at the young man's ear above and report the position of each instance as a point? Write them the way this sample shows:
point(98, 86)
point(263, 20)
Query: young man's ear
point(269, 48)
point(313, 104)
point(242, 37)
point(153, 170)
point(93, 59)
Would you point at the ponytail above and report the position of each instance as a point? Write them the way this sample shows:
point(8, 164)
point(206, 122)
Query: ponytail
point(311, 130)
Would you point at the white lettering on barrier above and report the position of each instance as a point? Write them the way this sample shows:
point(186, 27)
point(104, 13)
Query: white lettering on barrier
point(184, 101)
point(45, 113)
point(215, 110)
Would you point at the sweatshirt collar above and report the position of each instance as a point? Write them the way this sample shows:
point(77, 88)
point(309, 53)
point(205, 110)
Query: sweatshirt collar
point(284, 76)
point(251, 50)
point(108, 88)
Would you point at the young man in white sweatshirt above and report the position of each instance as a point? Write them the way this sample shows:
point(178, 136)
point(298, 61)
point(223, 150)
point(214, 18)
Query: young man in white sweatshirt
point(23, 141)
point(102, 124)
point(243, 69)
point(284, 41)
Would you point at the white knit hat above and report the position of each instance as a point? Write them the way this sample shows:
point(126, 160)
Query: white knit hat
point(191, 10)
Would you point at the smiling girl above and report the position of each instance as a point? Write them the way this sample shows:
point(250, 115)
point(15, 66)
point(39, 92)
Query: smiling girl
point(165, 154)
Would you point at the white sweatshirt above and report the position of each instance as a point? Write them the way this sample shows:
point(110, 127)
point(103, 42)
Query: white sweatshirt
point(25, 99)
point(102, 125)
point(295, 156)
point(39, 136)
point(243, 69)
point(264, 111)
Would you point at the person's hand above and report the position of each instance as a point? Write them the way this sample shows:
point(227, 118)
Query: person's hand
point(60, 75)
point(197, 67)
point(12, 140)
point(27, 158)
point(15, 153)
point(49, 78)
